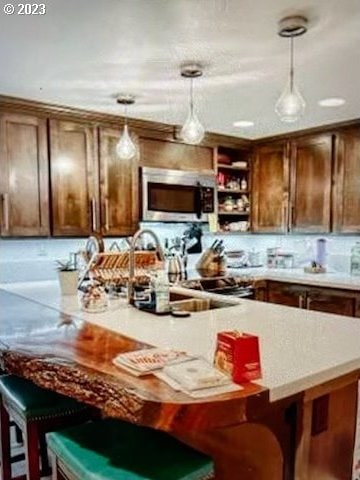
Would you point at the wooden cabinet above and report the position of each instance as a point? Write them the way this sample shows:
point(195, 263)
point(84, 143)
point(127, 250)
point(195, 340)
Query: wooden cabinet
point(346, 198)
point(292, 186)
point(175, 156)
point(331, 301)
point(322, 299)
point(286, 294)
point(270, 189)
point(24, 176)
point(311, 176)
point(74, 178)
point(119, 187)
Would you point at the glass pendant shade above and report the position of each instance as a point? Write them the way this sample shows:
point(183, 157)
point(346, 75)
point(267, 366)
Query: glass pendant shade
point(291, 104)
point(125, 147)
point(192, 131)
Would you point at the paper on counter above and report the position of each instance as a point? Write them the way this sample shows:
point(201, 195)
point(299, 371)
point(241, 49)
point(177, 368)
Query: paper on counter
point(145, 361)
point(197, 378)
point(203, 392)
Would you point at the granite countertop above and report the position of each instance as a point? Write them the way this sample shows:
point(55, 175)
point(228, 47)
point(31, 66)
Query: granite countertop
point(299, 348)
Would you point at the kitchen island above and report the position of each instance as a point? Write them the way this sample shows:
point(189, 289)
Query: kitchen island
point(288, 425)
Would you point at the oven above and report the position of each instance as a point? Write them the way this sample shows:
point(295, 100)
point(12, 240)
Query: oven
point(177, 196)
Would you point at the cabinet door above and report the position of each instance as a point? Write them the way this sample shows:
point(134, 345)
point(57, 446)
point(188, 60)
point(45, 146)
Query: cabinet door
point(346, 199)
point(326, 300)
point(311, 171)
point(119, 187)
point(270, 189)
point(176, 156)
point(74, 178)
point(286, 294)
point(24, 176)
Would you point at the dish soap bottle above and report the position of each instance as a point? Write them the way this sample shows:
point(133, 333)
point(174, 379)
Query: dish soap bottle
point(162, 293)
point(355, 259)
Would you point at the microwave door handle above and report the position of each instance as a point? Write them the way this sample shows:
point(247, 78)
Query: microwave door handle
point(198, 200)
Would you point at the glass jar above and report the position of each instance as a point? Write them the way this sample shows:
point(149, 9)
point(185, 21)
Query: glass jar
point(94, 299)
point(229, 204)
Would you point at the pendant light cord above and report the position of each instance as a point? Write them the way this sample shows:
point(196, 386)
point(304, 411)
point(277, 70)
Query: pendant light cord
point(191, 96)
point(292, 64)
point(125, 115)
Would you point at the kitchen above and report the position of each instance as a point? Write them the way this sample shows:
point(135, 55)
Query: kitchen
point(234, 136)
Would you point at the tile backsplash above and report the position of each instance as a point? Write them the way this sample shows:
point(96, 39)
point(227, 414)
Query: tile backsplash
point(34, 259)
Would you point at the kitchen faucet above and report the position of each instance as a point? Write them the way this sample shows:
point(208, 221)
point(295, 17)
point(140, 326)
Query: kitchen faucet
point(131, 280)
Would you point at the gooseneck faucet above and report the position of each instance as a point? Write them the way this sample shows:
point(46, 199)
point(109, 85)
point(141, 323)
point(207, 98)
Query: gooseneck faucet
point(131, 280)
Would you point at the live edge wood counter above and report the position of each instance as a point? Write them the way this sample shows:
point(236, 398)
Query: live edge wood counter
point(249, 434)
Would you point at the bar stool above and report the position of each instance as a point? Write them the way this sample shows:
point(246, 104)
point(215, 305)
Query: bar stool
point(112, 450)
point(35, 411)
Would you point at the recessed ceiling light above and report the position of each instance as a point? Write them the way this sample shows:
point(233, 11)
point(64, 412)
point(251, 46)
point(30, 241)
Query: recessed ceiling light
point(244, 123)
point(331, 102)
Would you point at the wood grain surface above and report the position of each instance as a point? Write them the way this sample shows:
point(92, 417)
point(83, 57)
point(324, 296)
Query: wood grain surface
point(74, 357)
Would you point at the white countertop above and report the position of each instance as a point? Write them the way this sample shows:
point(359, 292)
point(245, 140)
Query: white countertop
point(297, 275)
point(299, 348)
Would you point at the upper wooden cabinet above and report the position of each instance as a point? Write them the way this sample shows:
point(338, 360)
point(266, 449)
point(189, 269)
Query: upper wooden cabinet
point(24, 176)
point(119, 188)
point(74, 178)
point(176, 156)
point(311, 177)
point(270, 188)
point(346, 198)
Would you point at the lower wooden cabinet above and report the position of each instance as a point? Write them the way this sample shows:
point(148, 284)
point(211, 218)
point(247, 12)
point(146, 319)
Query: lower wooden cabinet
point(332, 301)
point(286, 294)
point(329, 300)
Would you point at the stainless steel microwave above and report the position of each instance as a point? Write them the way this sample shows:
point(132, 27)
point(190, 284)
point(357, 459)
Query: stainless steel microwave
point(177, 196)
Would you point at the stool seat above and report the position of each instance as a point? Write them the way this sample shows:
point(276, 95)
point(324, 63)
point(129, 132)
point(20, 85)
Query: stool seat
point(33, 402)
point(112, 450)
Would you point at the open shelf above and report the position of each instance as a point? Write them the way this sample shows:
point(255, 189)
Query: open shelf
point(232, 167)
point(230, 175)
point(234, 214)
point(230, 190)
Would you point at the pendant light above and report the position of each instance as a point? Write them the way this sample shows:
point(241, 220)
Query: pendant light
point(291, 104)
point(192, 131)
point(125, 148)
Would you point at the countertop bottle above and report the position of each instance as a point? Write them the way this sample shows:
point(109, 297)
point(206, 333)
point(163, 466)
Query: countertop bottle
point(355, 259)
point(162, 293)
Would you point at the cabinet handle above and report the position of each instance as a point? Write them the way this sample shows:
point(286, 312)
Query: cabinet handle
point(292, 217)
point(301, 301)
point(93, 214)
point(286, 217)
point(107, 214)
point(5, 206)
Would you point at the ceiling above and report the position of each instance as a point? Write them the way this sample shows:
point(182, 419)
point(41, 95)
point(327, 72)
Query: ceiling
point(82, 52)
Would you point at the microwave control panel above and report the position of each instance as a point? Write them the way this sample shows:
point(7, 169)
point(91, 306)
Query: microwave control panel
point(207, 199)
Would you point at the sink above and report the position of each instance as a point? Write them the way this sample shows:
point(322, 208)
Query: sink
point(193, 304)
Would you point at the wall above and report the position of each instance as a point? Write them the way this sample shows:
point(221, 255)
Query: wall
point(35, 259)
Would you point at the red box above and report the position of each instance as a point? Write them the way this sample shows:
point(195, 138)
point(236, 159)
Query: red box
point(238, 355)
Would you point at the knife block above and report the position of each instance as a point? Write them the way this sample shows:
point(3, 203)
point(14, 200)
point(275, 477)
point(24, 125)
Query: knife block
point(211, 263)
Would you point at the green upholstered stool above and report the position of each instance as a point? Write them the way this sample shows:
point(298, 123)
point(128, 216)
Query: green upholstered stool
point(115, 450)
point(35, 411)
